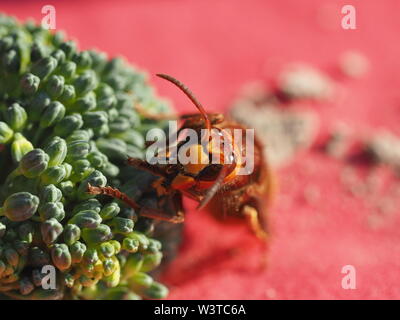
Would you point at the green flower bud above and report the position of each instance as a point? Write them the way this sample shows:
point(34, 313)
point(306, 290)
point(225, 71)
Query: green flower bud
point(69, 280)
point(97, 121)
point(55, 86)
point(97, 179)
point(121, 225)
point(56, 148)
point(133, 117)
point(85, 82)
point(61, 256)
point(99, 60)
point(114, 65)
point(156, 291)
point(38, 52)
point(20, 147)
point(6, 133)
point(130, 245)
point(132, 137)
point(51, 230)
point(107, 249)
point(37, 105)
point(80, 135)
point(151, 261)
point(53, 113)
point(67, 188)
point(105, 97)
point(97, 159)
point(120, 125)
point(50, 193)
point(90, 256)
point(67, 69)
point(91, 204)
point(52, 210)
point(68, 169)
point(53, 175)
point(68, 125)
point(110, 210)
point(140, 281)
point(112, 114)
point(86, 219)
point(72, 234)
point(85, 103)
point(82, 59)
point(34, 163)
point(143, 240)
point(100, 234)
point(87, 100)
point(59, 55)
point(69, 47)
point(113, 280)
point(154, 246)
point(11, 61)
point(116, 244)
point(133, 152)
point(81, 169)
point(109, 266)
point(58, 38)
point(6, 43)
point(114, 149)
point(68, 95)
point(38, 257)
point(16, 117)
point(26, 232)
point(29, 83)
point(77, 250)
point(120, 294)
point(110, 170)
point(87, 282)
point(44, 67)
point(20, 206)
point(107, 102)
point(77, 149)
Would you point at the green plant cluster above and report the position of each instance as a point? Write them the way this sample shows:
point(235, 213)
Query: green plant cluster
point(67, 119)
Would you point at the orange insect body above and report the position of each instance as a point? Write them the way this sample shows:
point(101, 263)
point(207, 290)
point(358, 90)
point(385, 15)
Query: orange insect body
point(215, 185)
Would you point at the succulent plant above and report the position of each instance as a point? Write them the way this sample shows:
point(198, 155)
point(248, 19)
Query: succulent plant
point(67, 119)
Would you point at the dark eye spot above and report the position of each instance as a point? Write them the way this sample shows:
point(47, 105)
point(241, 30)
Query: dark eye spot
point(210, 172)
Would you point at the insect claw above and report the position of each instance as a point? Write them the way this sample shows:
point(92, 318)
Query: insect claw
point(177, 220)
point(252, 216)
point(91, 189)
point(112, 192)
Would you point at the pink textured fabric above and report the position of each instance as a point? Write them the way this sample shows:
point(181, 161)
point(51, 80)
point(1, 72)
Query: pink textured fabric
point(217, 46)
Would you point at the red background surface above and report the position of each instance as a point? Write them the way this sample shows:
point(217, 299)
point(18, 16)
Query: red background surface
point(217, 46)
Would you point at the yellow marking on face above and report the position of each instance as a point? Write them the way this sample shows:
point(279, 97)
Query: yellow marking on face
point(182, 182)
point(200, 158)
